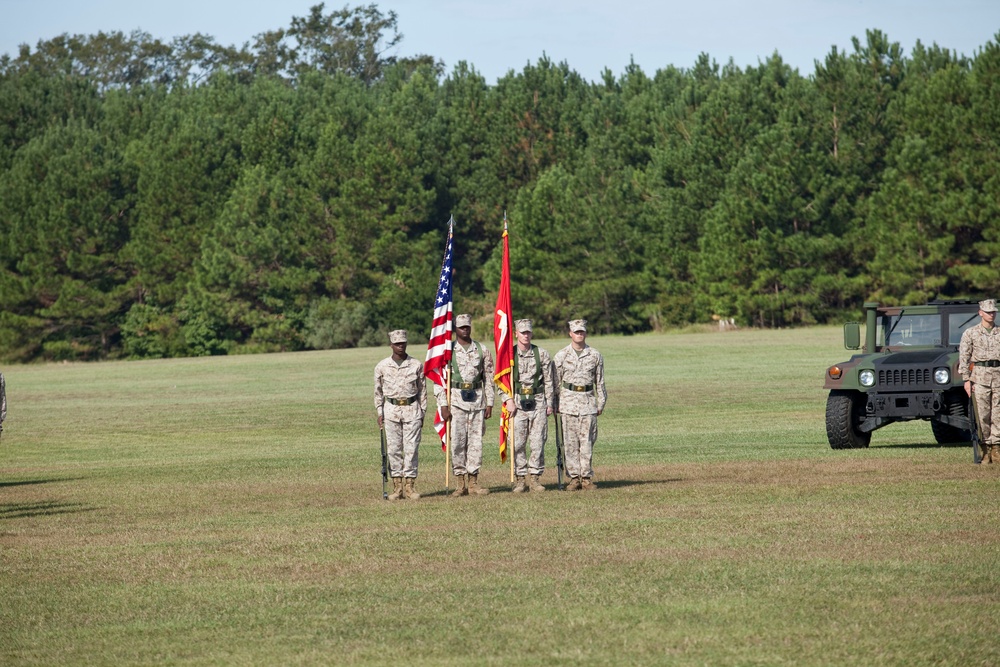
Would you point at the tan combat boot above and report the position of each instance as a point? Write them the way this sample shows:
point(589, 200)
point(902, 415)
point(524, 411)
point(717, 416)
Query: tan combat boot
point(588, 484)
point(573, 484)
point(408, 491)
point(534, 484)
point(990, 454)
point(474, 486)
point(519, 487)
point(397, 489)
point(463, 486)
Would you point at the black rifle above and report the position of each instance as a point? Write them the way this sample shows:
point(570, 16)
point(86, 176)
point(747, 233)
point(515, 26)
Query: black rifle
point(385, 465)
point(559, 449)
point(977, 456)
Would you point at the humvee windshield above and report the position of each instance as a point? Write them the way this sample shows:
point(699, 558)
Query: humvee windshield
point(958, 323)
point(923, 330)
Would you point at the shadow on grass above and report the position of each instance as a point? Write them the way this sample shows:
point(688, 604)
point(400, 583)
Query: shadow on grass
point(620, 483)
point(439, 493)
point(50, 508)
point(601, 484)
point(29, 482)
point(927, 445)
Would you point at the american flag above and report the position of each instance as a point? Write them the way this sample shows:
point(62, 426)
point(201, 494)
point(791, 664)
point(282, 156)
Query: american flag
point(439, 345)
point(441, 426)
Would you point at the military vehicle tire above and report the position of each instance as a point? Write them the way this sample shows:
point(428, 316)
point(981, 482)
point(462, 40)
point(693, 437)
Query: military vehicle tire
point(946, 434)
point(844, 412)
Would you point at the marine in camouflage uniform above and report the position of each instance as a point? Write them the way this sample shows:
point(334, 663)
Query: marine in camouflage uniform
point(980, 348)
point(579, 379)
point(531, 404)
point(400, 403)
point(471, 405)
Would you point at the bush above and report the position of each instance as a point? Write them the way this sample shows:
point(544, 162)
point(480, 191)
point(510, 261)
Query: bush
point(338, 323)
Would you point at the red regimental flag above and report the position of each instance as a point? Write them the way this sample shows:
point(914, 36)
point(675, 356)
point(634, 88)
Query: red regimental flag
point(503, 338)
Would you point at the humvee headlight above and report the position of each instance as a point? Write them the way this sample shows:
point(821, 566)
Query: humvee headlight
point(867, 378)
point(942, 376)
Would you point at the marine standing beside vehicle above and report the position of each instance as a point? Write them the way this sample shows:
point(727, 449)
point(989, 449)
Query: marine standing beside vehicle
point(530, 407)
point(471, 404)
point(579, 380)
point(400, 403)
point(980, 348)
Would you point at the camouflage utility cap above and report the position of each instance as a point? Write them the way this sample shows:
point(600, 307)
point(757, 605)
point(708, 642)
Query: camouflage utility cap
point(397, 336)
point(988, 305)
point(523, 325)
point(578, 325)
point(463, 320)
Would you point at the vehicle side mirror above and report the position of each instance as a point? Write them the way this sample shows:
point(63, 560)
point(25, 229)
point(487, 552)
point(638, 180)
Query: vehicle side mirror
point(852, 335)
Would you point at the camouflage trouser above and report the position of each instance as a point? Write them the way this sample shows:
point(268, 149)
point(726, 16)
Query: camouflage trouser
point(987, 393)
point(402, 440)
point(579, 436)
point(467, 429)
point(530, 427)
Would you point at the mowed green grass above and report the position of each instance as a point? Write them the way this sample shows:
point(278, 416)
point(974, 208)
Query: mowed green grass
point(229, 511)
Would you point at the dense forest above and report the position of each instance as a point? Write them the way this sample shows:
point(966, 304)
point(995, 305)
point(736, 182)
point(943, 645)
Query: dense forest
point(186, 198)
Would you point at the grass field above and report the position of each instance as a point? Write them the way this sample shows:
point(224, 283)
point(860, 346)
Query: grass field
point(229, 511)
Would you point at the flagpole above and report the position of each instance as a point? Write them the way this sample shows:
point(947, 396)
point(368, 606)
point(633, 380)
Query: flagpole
point(439, 348)
point(447, 431)
point(510, 425)
point(503, 331)
point(510, 439)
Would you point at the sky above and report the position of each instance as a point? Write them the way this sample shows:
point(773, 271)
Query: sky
point(496, 36)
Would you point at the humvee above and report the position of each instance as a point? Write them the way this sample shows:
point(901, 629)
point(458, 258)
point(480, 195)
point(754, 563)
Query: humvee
point(907, 369)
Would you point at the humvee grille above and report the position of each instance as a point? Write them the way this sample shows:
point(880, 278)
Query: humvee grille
point(904, 377)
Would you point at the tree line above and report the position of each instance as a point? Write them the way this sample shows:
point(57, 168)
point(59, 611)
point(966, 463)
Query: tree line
point(184, 198)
